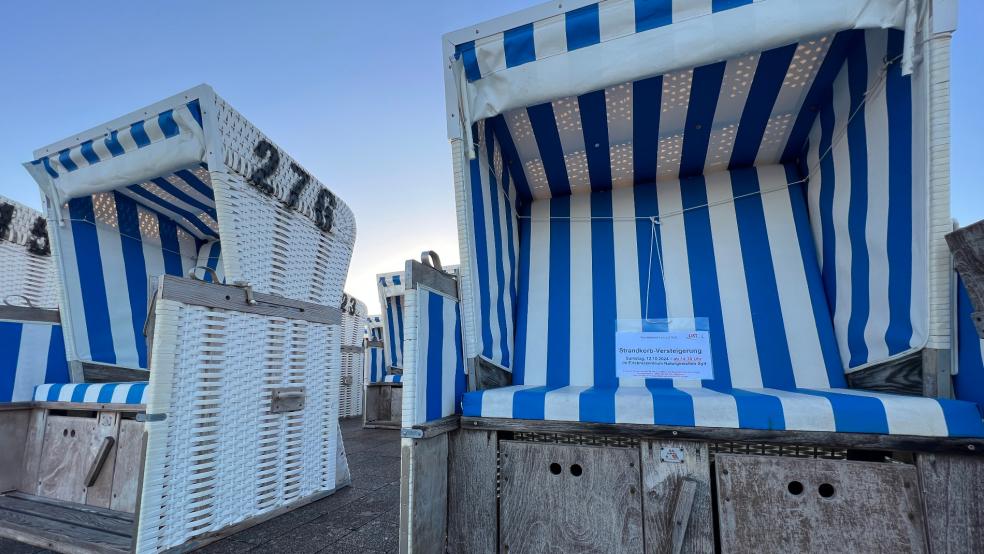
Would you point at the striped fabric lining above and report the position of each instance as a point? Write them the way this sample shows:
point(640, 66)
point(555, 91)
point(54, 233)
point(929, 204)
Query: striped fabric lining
point(210, 256)
point(579, 28)
point(866, 209)
point(121, 141)
point(391, 292)
point(439, 368)
point(110, 249)
point(969, 380)
point(375, 369)
point(96, 393)
point(30, 354)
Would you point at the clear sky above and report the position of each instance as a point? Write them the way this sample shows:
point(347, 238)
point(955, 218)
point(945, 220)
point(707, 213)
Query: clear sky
point(353, 90)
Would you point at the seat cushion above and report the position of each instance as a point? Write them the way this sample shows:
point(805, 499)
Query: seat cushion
point(393, 379)
point(95, 393)
point(821, 409)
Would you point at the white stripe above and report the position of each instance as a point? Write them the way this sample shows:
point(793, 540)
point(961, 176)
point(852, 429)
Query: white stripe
point(120, 392)
point(99, 147)
point(672, 120)
point(65, 394)
point(581, 299)
point(41, 393)
point(876, 227)
point(75, 310)
point(736, 311)
point(634, 405)
point(732, 97)
point(688, 9)
point(550, 36)
point(842, 201)
point(32, 360)
point(539, 294)
point(676, 265)
point(627, 295)
point(521, 131)
point(125, 138)
point(803, 412)
point(92, 393)
point(570, 130)
point(616, 18)
point(499, 402)
point(492, 317)
point(712, 408)
point(491, 54)
point(802, 336)
point(420, 375)
point(919, 309)
point(813, 188)
point(563, 404)
point(908, 415)
point(153, 129)
point(618, 106)
point(449, 359)
point(75, 154)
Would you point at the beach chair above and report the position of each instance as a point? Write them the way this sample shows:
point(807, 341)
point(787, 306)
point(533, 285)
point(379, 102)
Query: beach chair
point(768, 177)
point(32, 349)
point(354, 315)
point(201, 273)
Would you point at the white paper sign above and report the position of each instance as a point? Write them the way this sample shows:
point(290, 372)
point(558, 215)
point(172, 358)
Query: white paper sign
point(664, 355)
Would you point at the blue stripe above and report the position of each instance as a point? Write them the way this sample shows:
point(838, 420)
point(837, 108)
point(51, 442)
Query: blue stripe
point(704, 275)
point(106, 393)
point(195, 183)
point(47, 166)
point(559, 301)
point(603, 310)
point(819, 93)
point(652, 294)
point(481, 254)
point(597, 404)
point(181, 195)
point(898, 94)
point(435, 354)
point(523, 297)
point(646, 102)
point(857, 213)
point(196, 111)
point(135, 394)
point(494, 194)
point(808, 255)
point(128, 219)
point(396, 279)
point(551, 150)
point(166, 122)
point(758, 411)
point(91, 282)
point(139, 134)
point(775, 362)
point(66, 160)
point(828, 268)
point(519, 47)
point(113, 144)
point(530, 403)
point(854, 414)
point(390, 317)
point(510, 156)
point(170, 247)
point(963, 419)
point(594, 122)
point(469, 60)
point(762, 96)
point(650, 14)
point(670, 406)
point(56, 369)
point(398, 304)
point(704, 90)
point(722, 5)
point(582, 27)
point(471, 403)
point(88, 153)
point(188, 216)
point(53, 392)
point(10, 339)
point(214, 251)
point(78, 393)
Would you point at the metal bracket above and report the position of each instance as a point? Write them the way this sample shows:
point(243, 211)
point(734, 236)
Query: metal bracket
point(248, 289)
point(431, 258)
point(287, 399)
point(411, 433)
point(145, 418)
point(346, 379)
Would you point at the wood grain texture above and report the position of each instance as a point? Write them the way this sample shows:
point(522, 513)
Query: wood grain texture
point(14, 425)
point(99, 373)
point(34, 443)
point(951, 491)
point(69, 444)
point(67, 512)
point(861, 441)
point(129, 466)
point(548, 505)
point(874, 507)
point(62, 527)
point(101, 492)
point(901, 376)
point(427, 504)
point(662, 484)
point(472, 503)
point(438, 426)
point(967, 246)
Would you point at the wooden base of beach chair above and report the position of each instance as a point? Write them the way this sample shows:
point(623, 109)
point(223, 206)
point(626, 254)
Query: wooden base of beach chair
point(514, 486)
point(384, 406)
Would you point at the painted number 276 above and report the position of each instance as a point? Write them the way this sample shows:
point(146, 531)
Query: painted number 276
point(324, 204)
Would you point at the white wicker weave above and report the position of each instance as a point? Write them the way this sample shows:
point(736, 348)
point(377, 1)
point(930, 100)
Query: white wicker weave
point(28, 269)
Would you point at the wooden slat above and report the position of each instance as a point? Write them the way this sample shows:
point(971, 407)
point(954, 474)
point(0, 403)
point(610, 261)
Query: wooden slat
point(122, 516)
point(101, 373)
point(858, 441)
point(129, 466)
point(47, 531)
point(662, 483)
point(424, 497)
point(34, 443)
point(951, 491)
point(67, 512)
point(23, 313)
point(568, 498)
point(901, 376)
point(780, 504)
point(433, 428)
point(14, 426)
point(227, 297)
point(420, 275)
point(472, 497)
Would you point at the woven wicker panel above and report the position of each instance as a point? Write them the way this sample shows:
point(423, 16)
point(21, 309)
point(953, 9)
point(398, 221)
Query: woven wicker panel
point(26, 271)
point(220, 456)
point(275, 248)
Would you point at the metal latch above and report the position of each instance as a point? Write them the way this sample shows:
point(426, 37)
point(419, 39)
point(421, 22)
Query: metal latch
point(346, 379)
point(287, 399)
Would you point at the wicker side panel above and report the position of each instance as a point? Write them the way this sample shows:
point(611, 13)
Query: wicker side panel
point(26, 271)
point(276, 248)
point(220, 457)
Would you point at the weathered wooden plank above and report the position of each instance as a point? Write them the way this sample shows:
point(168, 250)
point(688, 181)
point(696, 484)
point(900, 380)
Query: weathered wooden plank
point(396, 405)
point(420, 275)
point(100, 493)
point(58, 535)
point(129, 466)
point(681, 513)
point(484, 374)
point(780, 504)
point(901, 376)
point(122, 516)
point(860, 441)
point(424, 495)
point(33, 444)
point(228, 297)
point(26, 313)
point(567, 498)
point(472, 496)
point(967, 246)
point(14, 426)
point(951, 491)
point(100, 373)
point(432, 428)
point(69, 444)
point(663, 479)
point(67, 512)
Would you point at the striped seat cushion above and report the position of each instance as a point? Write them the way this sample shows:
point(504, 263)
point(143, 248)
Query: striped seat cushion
point(95, 393)
point(393, 379)
point(827, 409)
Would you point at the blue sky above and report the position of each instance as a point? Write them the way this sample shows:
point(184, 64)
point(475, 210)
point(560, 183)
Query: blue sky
point(354, 91)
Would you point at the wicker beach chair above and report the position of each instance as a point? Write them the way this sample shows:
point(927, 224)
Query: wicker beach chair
point(202, 265)
point(769, 175)
point(354, 316)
